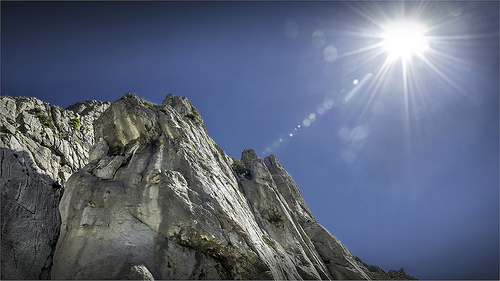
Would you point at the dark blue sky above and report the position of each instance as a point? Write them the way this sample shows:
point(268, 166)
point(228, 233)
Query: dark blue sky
point(402, 180)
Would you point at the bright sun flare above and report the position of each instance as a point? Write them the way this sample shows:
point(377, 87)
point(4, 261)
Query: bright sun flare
point(403, 40)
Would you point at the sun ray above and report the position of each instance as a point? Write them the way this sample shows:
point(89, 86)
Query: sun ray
point(446, 56)
point(434, 26)
point(374, 19)
point(360, 50)
point(406, 107)
point(462, 37)
point(377, 80)
point(412, 83)
point(443, 76)
point(358, 88)
point(420, 9)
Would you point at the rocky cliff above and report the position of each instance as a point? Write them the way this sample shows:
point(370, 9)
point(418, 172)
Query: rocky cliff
point(147, 194)
point(41, 145)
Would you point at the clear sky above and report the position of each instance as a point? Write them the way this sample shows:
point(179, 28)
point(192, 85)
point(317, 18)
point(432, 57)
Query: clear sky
point(399, 158)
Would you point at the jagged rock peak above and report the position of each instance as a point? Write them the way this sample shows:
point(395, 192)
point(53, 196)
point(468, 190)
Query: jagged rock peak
point(277, 203)
point(87, 107)
point(376, 273)
point(132, 118)
point(180, 104)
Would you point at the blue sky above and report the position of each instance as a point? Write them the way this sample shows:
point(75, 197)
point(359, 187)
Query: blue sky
point(406, 174)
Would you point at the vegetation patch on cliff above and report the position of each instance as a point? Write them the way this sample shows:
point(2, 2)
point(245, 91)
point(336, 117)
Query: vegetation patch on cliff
point(44, 119)
point(273, 246)
point(76, 123)
point(239, 166)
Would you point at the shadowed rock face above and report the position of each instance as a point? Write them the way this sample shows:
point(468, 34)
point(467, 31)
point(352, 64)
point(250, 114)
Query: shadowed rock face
point(159, 199)
point(41, 145)
point(30, 221)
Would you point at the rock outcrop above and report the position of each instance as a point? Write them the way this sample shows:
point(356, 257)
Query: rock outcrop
point(160, 195)
point(377, 273)
point(279, 207)
point(144, 193)
point(41, 145)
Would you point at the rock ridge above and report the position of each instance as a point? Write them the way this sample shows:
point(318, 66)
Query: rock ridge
point(155, 171)
point(377, 273)
point(135, 190)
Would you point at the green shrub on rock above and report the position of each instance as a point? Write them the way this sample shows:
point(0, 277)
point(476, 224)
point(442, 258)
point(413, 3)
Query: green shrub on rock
point(44, 119)
point(193, 117)
point(75, 123)
point(239, 166)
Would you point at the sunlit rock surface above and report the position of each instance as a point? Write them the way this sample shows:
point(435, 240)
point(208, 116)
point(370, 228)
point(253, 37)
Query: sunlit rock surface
point(159, 199)
point(146, 194)
point(41, 145)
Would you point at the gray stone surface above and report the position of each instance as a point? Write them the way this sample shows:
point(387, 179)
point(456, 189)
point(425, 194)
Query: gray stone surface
point(139, 272)
point(376, 273)
point(164, 197)
point(145, 194)
point(338, 260)
point(39, 150)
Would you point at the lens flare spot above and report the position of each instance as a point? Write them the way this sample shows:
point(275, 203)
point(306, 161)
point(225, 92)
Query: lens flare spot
point(348, 156)
point(344, 133)
point(306, 122)
point(455, 11)
point(268, 149)
point(312, 116)
point(318, 39)
point(330, 54)
point(359, 133)
point(355, 82)
point(357, 88)
point(327, 105)
point(291, 135)
point(321, 111)
point(291, 29)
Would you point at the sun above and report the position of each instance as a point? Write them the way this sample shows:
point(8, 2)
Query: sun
point(404, 39)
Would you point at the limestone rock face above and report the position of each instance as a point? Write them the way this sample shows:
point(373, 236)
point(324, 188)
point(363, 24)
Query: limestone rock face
point(41, 145)
point(159, 199)
point(376, 273)
point(338, 261)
